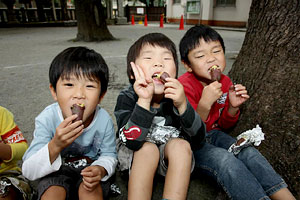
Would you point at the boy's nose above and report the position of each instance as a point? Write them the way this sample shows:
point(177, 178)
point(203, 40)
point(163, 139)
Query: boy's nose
point(79, 93)
point(158, 64)
point(211, 58)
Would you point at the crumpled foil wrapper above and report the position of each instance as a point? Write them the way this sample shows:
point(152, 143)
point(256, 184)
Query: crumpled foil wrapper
point(245, 139)
point(78, 163)
point(4, 187)
point(161, 134)
point(115, 190)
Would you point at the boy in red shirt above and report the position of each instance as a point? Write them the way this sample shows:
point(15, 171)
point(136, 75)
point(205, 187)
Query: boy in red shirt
point(247, 175)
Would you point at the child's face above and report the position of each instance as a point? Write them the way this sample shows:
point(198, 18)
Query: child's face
point(156, 59)
point(77, 91)
point(204, 56)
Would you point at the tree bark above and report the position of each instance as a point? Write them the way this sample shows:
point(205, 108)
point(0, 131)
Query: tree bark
point(91, 21)
point(268, 65)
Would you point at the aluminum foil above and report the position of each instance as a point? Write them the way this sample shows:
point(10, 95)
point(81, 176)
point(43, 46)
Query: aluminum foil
point(4, 187)
point(77, 163)
point(247, 138)
point(115, 190)
point(161, 134)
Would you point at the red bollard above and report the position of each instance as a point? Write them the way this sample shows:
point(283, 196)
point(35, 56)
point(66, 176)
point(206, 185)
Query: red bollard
point(181, 23)
point(145, 21)
point(161, 25)
point(132, 20)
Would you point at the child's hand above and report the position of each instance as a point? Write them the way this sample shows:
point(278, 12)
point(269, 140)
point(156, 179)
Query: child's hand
point(5, 151)
point(65, 134)
point(143, 87)
point(174, 90)
point(237, 95)
point(211, 93)
point(92, 176)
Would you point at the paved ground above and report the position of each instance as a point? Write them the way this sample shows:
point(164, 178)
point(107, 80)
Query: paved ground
point(26, 54)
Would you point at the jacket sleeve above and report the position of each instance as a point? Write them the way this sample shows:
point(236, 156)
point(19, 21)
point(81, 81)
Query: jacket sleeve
point(133, 121)
point(227, 121)
point(38, 165)
point(193, 126)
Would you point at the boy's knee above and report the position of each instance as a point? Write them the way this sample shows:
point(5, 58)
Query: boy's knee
point(57, 192)
point(85, 194)
point(178, 147)
point(149, 149)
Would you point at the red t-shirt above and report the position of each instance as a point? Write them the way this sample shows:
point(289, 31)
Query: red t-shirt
point(218, 117)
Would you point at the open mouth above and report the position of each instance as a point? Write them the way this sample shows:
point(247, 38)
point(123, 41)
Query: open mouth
point(214, 67)
point(162, 76)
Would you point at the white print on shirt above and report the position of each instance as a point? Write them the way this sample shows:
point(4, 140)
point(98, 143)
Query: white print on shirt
point(222, 99)
point(14, 138)
point(122, 136)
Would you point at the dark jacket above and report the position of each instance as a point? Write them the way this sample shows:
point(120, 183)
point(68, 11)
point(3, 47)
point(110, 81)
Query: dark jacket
point(134, 121)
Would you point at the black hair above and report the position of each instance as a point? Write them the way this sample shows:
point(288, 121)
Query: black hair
point(154, 39)
point(191, 40)
point(79, 61)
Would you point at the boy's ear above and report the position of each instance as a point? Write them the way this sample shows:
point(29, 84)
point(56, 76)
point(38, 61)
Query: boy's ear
point(187, 67)
point(101, 97)
point(53, 92)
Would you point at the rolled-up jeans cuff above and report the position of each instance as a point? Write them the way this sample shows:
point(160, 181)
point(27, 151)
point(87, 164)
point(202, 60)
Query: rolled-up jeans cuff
point(276, 188)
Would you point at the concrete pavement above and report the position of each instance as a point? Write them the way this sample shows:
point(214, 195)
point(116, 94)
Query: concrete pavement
point(26, 54)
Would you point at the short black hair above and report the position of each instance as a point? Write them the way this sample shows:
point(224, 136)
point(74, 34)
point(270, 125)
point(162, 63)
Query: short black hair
point(154, 39)
point(79, 61)
point(191, 40)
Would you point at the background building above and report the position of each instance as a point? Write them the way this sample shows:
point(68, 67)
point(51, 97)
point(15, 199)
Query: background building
point(233, 13)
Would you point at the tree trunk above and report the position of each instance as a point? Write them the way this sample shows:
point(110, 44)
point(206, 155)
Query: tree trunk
point(91, 21)
point(268, 65)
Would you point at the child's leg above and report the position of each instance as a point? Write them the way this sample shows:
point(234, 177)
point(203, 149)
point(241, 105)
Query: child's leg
point(283, 194)
point(231, 173)
point(143, 169)
point(55, 193)
point(272, 183)
point(178, 155)
point(96, 194)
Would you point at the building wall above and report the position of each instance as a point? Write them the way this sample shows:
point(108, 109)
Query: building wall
point(209, 14)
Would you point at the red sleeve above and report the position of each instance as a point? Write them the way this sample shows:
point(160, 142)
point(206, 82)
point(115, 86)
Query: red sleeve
point(227, 121)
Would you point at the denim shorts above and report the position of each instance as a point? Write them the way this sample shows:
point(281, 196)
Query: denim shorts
point(67, 177)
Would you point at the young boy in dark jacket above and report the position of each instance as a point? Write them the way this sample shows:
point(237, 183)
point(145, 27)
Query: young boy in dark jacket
point(158, 128)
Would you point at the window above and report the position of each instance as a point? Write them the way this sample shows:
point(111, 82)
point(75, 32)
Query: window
point(225, 3)
point(176, 1)
point(193, 6)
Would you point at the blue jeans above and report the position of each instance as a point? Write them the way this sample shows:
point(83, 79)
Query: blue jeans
point(247, 175)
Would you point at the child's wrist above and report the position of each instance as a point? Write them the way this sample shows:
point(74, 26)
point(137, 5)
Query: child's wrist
point(144, 103)
point(233, 110)
point(53, 148)
point(204, 105)
point(182, 108)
